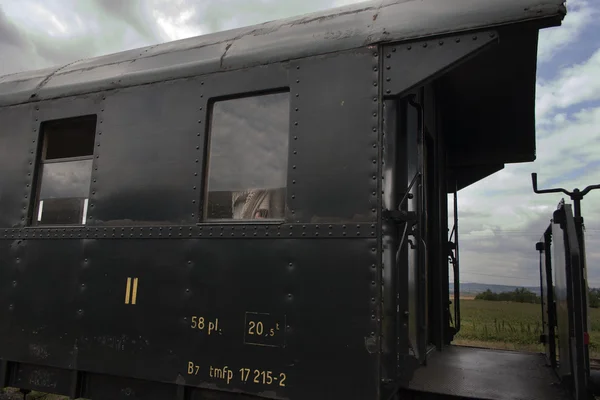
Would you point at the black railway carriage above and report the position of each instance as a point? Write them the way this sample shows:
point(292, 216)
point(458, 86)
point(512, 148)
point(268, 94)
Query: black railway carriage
point(258, 212)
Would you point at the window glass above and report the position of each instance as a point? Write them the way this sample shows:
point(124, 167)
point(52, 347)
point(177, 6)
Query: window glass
point(248, 156)
point(70, 179)
point(64, 172)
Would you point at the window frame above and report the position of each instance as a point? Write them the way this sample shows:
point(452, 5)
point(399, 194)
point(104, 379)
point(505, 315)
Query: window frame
point(203, 209)
point(40, 161)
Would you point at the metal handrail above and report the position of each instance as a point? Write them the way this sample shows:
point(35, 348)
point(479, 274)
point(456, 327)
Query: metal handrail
point(575, 194)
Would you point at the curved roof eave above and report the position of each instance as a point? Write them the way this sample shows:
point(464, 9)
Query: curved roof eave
point(338, 29)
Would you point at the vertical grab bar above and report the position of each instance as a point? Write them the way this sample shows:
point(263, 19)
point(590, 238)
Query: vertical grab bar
point(456, 266)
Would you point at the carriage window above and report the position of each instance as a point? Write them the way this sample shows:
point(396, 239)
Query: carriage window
point(64, 171)
point(248, 156)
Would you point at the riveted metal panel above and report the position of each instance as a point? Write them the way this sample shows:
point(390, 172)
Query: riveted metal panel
point(142, 130)
point(18, 144)
point(125, 73)
point(205, 231)
point(410, 64)
point(335, 138)
point(68, 107)
point(148, 156)
point(38, 303)
point(8, 273)
point(118, 307)
point(265, 78)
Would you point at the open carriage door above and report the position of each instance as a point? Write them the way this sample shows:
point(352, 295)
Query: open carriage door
point(407, 69)
point(413, 254)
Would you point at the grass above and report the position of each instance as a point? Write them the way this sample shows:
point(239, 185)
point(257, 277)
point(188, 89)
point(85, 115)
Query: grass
point(513, 326)
point(13, 394)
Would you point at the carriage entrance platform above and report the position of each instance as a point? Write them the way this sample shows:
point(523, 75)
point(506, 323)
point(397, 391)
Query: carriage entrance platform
point(477, 373)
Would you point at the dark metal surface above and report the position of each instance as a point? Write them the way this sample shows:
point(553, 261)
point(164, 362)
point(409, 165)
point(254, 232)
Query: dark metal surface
point(562, 294)
point(324, 32)
point(572, 306)
point(18, 145)
point(488, 374)
point(332, 182)
point(393, 328)
point(140, 132)
point(480, 93)
point(408, 65)
point(205, 231)
point(547, 296)
point(79, 318)
point(118, 297)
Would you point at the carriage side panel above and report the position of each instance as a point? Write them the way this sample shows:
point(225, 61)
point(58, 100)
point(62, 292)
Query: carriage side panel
point(18, 144)
point(335, 137)
point(254, 315)
point(149, 154)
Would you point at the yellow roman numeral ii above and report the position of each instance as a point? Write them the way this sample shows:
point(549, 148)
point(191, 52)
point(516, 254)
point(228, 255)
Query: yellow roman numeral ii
point(131, 292)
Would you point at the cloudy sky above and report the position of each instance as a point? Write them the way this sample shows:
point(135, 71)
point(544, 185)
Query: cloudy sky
point(501, 218)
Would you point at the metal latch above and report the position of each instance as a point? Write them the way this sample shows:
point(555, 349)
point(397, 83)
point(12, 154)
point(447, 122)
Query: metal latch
point(400, 216)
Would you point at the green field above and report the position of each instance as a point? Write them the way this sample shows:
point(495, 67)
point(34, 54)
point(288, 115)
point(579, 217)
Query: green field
point(506, 325)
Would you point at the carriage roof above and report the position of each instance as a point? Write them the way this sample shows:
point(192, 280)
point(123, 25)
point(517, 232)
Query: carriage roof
point(334, 30)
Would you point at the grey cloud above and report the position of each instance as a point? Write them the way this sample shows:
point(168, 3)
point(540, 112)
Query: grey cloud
point(114, 25)
point(15, 48)
point(510, 256)
point(9, 33)
point(122, 24)
point(229, 14)
point(135, 13)
point(66, 51)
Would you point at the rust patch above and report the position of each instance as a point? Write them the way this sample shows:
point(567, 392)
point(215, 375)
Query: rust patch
point(371, 344)
point(335, 35)
point(38, 351)
point(113, 342)
point(42, 379)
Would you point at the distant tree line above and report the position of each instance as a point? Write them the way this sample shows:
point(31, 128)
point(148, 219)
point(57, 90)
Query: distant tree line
point(594, 296)
point(522, 295)
point(519, 295)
